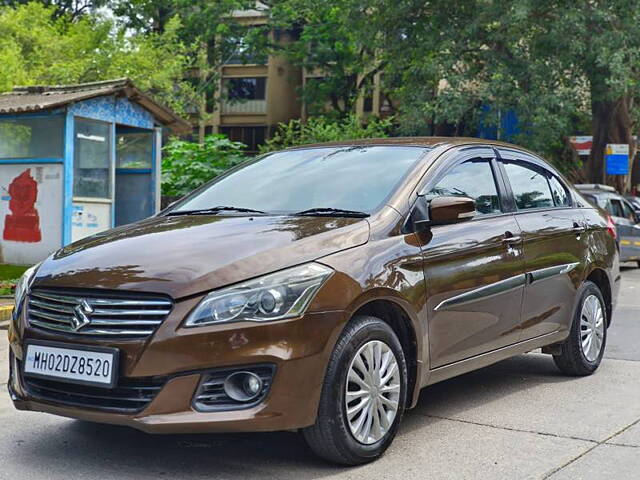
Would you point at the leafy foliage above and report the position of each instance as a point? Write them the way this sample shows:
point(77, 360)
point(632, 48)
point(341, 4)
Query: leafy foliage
point(331, 46)
point(39, 47)
point(322, 129)
point(188, 165)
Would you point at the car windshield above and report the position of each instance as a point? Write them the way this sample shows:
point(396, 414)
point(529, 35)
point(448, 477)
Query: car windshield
point(313, 180)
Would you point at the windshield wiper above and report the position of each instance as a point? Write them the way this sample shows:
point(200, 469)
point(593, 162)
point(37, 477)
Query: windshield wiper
point(214, 210)
point(332, 212)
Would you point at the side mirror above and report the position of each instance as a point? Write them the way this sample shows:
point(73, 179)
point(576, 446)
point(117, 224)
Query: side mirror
point(442, 211)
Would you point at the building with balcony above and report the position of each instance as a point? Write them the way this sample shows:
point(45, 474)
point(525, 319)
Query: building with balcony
point(256, 93)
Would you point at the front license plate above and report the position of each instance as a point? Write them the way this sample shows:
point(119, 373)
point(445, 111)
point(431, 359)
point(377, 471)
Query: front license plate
point(96, 366)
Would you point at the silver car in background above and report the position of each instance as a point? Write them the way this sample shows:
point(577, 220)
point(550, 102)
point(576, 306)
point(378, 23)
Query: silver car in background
point(623, 214)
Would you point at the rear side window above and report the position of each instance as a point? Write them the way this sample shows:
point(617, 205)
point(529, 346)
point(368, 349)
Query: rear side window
point(559, 192)
point(474, 179)
point(614, 207)
point(529, 186)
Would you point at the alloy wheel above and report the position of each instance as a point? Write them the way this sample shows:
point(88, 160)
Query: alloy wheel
point(372, 392)
point(591, 328)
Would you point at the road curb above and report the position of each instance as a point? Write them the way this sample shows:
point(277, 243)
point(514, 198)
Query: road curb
point(5, 316)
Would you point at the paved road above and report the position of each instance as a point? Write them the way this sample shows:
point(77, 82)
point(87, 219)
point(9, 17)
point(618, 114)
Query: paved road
point(517, 419)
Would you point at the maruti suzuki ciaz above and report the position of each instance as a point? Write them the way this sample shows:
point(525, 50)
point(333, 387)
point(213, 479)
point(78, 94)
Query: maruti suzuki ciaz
point(318, 289)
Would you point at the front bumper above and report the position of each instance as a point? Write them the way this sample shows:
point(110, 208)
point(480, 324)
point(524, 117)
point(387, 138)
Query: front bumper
point(299, 349)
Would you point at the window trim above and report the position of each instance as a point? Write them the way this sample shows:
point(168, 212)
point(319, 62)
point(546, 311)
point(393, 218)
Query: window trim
point(455, 157)
point(535, 163)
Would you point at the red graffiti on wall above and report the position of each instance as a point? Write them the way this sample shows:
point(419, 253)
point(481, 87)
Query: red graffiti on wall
point(23, 223)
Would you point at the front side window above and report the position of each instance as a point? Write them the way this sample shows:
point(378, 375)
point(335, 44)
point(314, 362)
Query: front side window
point(473, 179)
point(92, 157)
point(356, 178)
point(529, 186)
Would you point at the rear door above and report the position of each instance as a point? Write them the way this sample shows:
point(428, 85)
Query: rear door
point(554, 244)
point(474, 270)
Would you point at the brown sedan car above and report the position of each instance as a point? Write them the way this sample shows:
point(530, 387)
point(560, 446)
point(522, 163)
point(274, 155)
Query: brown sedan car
point(318, 289)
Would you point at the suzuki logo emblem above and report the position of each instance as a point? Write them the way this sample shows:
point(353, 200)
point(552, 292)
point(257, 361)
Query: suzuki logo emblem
point(81, 314)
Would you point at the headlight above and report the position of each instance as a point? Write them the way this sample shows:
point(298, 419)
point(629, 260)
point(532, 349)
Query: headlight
point(275, 296)
point(23, 285)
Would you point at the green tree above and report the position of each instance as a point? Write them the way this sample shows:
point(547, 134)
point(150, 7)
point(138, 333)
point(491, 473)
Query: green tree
point(330, 45)
point(208, 26)
point(70, 8)
point(557, 63)
point(187, 165)
point(323, 129)
point(38, 47)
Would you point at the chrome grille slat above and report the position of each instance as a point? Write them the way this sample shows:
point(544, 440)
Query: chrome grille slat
point(117, 314)
point(50, 316)
point(90, 331)
point(102, 321)
point(100, 301)
point(114, 312)
point(48, 306)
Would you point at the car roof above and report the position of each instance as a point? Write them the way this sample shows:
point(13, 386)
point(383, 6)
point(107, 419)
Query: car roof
point(417, 141)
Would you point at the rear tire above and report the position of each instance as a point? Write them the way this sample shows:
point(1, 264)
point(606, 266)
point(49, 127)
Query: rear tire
point(583, 349)
point(332, 437)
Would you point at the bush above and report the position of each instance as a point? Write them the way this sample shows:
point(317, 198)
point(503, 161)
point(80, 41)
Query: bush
point(187, 165)
point(322, 129)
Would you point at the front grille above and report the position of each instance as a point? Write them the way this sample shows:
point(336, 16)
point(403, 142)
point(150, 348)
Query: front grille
point(96, 313)
point(211, 395)
point(129, 396)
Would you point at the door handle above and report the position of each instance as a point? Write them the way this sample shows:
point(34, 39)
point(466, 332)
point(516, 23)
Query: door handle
point(509, 238)
point(577, 228)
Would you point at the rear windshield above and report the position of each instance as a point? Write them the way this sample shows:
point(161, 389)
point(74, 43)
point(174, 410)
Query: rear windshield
point(593, 200)
point(356, 178)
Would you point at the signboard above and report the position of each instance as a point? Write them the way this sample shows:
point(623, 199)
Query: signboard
point(89, 218)
point(582, 144)
point(30, 212)
point(617, 158)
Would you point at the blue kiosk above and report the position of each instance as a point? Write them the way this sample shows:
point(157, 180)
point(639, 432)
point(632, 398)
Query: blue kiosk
point(76, 160)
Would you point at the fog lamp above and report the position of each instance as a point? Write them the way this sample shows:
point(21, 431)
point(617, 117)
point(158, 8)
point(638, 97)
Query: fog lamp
point(243, 386)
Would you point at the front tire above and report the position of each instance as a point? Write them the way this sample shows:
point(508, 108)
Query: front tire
point(583, 350)
point(363, 395)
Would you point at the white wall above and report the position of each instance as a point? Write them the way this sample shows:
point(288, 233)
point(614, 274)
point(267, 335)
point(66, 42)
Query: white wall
point(49, 180)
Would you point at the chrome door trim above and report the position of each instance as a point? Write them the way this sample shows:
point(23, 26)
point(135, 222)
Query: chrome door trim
point(483, 293)
point(544, 273)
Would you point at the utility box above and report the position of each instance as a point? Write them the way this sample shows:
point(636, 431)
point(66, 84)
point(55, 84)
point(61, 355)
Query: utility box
point(76, 160)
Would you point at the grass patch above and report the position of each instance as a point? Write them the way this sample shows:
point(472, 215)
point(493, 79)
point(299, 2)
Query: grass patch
point(9, 275)
point(11, 272)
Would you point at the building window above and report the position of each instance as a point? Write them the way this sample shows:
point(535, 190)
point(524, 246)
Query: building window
point(252, 137)
point(31, 137)
point(248, 46)
point(92, 159)
point(248, 88)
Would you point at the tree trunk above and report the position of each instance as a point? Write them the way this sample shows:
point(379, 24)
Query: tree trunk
point(611, 123)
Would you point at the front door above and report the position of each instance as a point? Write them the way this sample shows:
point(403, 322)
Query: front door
point(474, 270)
point(554, 245)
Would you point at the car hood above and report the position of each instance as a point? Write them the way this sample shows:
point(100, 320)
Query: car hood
point(187, 255)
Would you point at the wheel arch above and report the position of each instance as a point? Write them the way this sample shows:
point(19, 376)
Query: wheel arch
point(403, 324)
point(601, 279)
